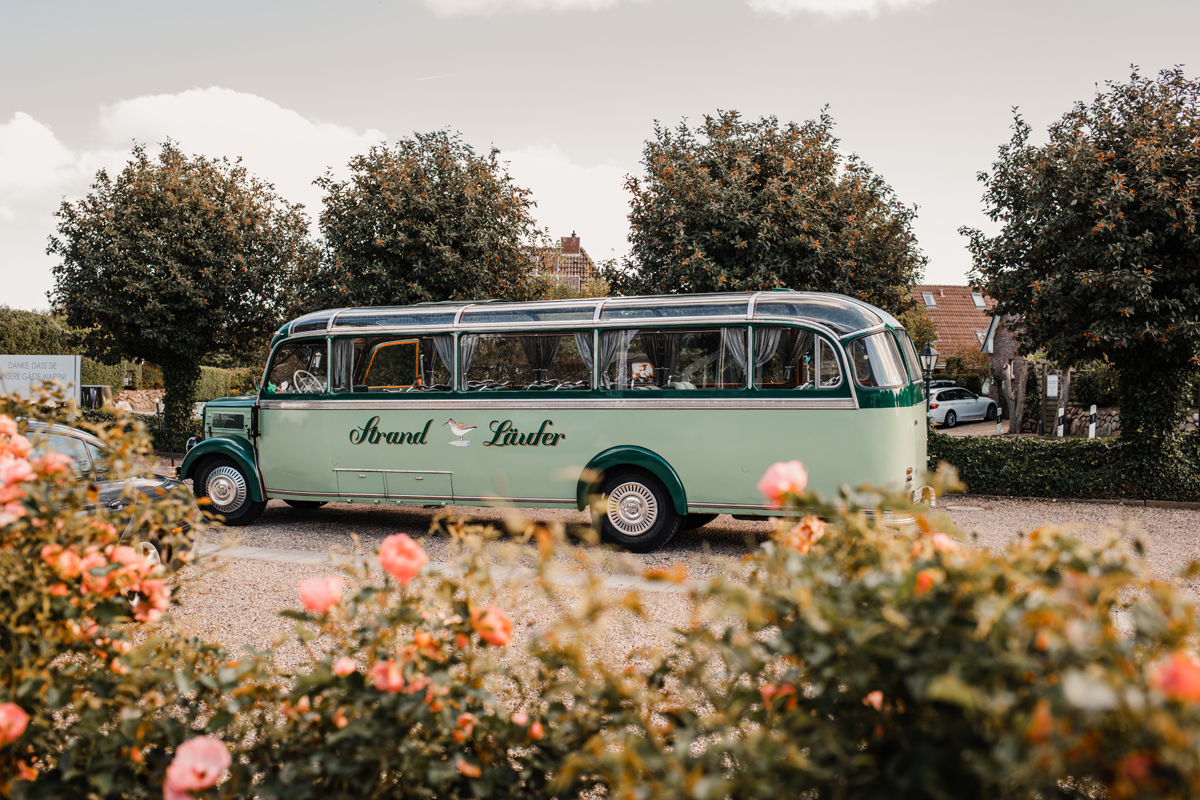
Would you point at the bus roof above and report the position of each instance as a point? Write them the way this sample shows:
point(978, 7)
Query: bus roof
point(841, 314)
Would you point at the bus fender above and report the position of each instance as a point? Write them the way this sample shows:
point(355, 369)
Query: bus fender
point(237, 449)
point(633, 456)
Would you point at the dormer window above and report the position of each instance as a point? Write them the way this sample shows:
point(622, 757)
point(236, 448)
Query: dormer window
point(978, 300)
point(929, 300)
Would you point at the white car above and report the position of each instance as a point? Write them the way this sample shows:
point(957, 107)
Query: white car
point(947, 407)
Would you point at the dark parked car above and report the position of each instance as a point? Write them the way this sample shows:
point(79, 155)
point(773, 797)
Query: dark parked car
point(91, 458)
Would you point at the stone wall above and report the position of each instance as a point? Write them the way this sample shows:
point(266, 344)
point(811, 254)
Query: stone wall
point(1108, 422)
point(138, 399)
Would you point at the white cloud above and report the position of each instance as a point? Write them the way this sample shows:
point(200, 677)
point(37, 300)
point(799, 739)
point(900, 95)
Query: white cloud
point(276, 144)
point(37, 170)
point(589, 200)
point(833, 8)
point(457, 8)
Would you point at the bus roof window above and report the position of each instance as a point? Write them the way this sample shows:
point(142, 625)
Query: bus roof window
point(377, 316)
point(640, 309)
point(839, 314)
point(312, 322)
point(527, 313)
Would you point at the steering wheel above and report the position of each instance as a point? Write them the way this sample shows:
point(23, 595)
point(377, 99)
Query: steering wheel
point(307, 382)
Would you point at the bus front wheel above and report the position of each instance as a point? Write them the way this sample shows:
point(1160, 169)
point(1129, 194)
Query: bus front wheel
point(636, 512)
point(228, 492)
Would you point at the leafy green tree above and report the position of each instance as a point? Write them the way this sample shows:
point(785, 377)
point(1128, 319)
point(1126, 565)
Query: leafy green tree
point(175, 259)
point(736, 205)
point(426, 220)
point(1099, 252)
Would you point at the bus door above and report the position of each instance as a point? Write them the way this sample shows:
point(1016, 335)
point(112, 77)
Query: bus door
point(293, 448)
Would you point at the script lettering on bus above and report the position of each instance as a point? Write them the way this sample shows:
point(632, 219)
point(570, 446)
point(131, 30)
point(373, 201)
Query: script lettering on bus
point(505, 435)
point(370, 434)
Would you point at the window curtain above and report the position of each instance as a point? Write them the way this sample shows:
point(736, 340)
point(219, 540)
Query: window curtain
point(343, 365)
point(663, 351)
point(614, 346)
point(444, 345)
point(539, 351)
point(468, 346)
point(799, 344)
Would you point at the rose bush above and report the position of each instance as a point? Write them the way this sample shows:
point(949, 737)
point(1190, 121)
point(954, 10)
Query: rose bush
point(843, 659)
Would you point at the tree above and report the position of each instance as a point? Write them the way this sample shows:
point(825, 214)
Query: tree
point(735, 206)
point(920, 327)
point(1099, 252)
point(426, 220)
point(175, 259)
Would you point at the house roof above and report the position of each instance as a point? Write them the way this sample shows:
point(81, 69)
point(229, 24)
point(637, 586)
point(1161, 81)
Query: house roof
point(960, 322)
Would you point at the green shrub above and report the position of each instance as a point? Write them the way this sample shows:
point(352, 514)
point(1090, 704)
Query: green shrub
point(34, 333)
point(1070, 468)
point(241, 379)
point(1096, 386)
point(151, 377)
point(842, 659)
point(214, 383)
point(95, 373)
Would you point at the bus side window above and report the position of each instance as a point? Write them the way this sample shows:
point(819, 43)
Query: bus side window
point(831, 373)
point(393, 364)
point(674, 359)
point(299, 368)
point(536, 362)
point(785, 358)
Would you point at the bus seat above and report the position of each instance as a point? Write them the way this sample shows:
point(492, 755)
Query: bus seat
point(680, 385)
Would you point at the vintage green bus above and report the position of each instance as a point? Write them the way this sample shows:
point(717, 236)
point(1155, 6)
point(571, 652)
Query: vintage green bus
point(668, 408)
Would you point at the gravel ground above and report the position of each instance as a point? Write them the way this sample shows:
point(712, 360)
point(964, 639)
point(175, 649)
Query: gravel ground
point(237, 602)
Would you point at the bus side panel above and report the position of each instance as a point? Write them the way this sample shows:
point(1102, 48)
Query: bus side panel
point(293, 451)
point(536, 456)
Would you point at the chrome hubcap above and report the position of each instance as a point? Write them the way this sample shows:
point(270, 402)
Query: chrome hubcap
point(226, 488)
point(632, 509)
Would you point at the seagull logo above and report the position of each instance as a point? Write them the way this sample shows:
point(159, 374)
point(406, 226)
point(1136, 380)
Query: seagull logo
point(460, 430)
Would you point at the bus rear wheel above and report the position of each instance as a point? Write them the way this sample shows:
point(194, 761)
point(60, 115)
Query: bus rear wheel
point(228, 492)
point(636, 512)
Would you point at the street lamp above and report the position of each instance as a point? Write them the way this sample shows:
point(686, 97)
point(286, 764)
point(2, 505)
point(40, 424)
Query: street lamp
point(928, 358)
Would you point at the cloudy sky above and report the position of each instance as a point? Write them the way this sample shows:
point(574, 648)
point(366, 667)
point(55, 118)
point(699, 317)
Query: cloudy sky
point(568, 90)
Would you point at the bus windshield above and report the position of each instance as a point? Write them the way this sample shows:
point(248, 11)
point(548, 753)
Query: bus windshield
point(877, 362)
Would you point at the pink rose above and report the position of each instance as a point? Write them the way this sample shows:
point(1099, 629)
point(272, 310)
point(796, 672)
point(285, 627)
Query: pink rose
point(874, 700)
point(54, 463)
point(321, 594)
point(157, 599)
point(943, 543)
point(784, 477)
point(520, 718)
point(536, 731)
point(402, 557)
point(493, 626)
point(1178, 678)
point(14, 470)
point(388, 677)
point(8, 426)
point(13, 720)
point(94, 559)
point(10, 513)
point(344, 666)
point(198, 764)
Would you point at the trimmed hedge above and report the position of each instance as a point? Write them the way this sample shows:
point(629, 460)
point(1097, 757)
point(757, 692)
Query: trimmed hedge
point(214, 382)
point(1091, 469)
